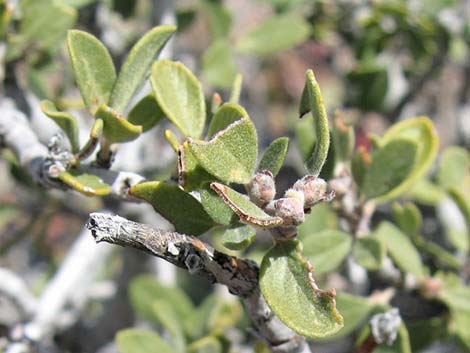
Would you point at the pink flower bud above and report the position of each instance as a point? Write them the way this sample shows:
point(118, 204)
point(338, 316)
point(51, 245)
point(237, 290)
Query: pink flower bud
point(262, 188)
point(315, 190)
point(290, 209)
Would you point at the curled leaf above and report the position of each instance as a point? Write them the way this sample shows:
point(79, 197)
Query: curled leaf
point(274, 156)
point(146, 113)
point(66, 121)
point(244, 208)
point(312, 101)
point(88, 184)
point(115, 127)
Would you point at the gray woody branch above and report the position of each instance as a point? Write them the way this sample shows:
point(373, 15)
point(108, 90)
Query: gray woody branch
point(239, 275)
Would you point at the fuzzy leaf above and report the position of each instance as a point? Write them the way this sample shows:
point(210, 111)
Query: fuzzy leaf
point(66, 121)
point(93, 68)
point(312, 101)
point(408, 217)
point(218, 64)
point(236, 89)
point(141, 341)
point(219, 211)
point(327, 250)
point(165, 315)
point(137, 65)
point(369, 252)
point(88, 184)
point(402, 251)
point(454, 167)
point(224, 116)
point(115, 127)
point(231, 154)
point(238, 238)
point(287, 284)
point(274, 156)
point(207, 344)
point(354, 309)
point(422, 131)
point(180, 96)
point(146, 113)
point(244, 208)
point(144, 290)
point(278, 33)
point(192, 175)
point(177, 206)
point(391, 166)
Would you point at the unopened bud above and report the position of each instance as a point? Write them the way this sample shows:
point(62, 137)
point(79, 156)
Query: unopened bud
point(262, 188)
point(315, 190)
point(290, 209)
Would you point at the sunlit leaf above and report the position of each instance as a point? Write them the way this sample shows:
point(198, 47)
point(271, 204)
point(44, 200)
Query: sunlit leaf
point(180, 96)
point(231, 154)
point(136, 67)
point(146, 113)
point(274, 156)
point(141, 341)
point(177, 206)
point(287, 284)
point(88, 184)
point(224, 116)
point(93, 68)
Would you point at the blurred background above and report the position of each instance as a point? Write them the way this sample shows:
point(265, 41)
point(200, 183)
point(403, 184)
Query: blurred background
point(378, 62)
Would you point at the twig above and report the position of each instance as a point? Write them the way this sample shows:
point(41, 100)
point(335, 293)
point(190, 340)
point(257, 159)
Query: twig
point(239, 275)
point(16, 290)
point(17, 134)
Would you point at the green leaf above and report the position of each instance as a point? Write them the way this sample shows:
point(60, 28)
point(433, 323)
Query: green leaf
point(66, 121)
point(207, 344)
point(141, 341)
point(244, 208)
point(369, 252)
point(370, 83)
point(327, 250)
point(167, 318)
point(227, 114)
point(422, 131)
point(177, 206)
point(144, 290)
point(278, 33)
point(391, 166)
point(427, 193)
point(44, 23)
point(274, 156)
point(192, 176)
point(408, 217)
point(312, 101)
point(360, 161)
point(224, 316)
point(355, 310)
point(402, 251)
point(137, 65)
point(321, 217)
point(289, 289)
point(115, 127)
point(238, 238)
point(219, 211)
point(93, 68)
point(220, 19)
point(87, 184)
point(180, 96)
point(196, 324)
point(305, 136)
point(231, 154)
point(236, 89)
point(454, 167)
point(146, 113)
point(218, 64)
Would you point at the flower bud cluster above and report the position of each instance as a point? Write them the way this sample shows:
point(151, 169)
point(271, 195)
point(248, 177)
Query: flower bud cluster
point(262, 188)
